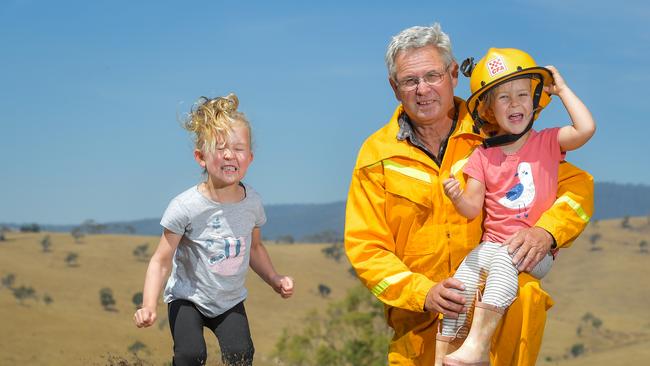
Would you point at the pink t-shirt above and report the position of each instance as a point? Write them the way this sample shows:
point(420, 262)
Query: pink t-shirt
point(518, 187)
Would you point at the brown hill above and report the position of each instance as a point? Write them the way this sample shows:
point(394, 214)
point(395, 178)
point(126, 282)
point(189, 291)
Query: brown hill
point(599, 286)
point(74, 329)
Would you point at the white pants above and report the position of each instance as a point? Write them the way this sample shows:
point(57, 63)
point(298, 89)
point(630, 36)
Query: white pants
point(489, 265)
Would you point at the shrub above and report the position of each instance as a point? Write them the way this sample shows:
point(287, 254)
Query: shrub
point(137, 299)
point(71, 259)
point(21, 293)
point(46, 243)
point(30, 228)
point(77, 234)
point(353, 332)
point(625, 223)
point(8, 280)
point(324, 290)
point(141, 252)
point(577, 349)
point(334, 251)
point(137, 346)
point(106, 298)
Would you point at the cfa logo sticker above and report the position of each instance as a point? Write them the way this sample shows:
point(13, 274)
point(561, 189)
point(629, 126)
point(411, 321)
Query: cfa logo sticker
point(496, 66)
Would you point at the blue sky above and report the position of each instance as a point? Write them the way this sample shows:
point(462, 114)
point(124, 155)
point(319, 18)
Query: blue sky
point(92, 91)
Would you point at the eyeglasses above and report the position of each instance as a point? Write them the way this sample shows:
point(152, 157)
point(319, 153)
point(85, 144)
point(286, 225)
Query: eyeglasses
point(432, 78)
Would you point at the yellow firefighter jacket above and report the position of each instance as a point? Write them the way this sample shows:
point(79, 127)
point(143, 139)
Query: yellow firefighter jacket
point(403, 235)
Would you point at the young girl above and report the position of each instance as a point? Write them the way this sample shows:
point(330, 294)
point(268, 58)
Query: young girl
point(211, 235)
point(515, 176)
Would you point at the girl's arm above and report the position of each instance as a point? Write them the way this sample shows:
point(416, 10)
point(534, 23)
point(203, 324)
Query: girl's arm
point(261, 264)
point(583, 127)
point(157, 272)
point(469, 202)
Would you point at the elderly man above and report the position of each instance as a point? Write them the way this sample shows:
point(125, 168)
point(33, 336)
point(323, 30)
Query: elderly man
point(403, 236)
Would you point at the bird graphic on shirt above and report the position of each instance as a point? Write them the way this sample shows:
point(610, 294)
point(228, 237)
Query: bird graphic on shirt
point(522, 194)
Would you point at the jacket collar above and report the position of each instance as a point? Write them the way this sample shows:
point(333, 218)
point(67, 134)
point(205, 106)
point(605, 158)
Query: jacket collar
point(384, 143)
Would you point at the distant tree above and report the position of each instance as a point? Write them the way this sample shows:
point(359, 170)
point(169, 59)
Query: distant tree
point(106, 298)
point(577, 349)
point(8, 280)
point(334, 251)
point(643, 246)
point(129, 229)
point(594, 238)
point(288, 239)
point(46, 243)
point(141, 252)
point(47, 299)
point(21, 293)
point(596, 322)
point(2, 236)
point(71, 259)
point(30, 228)
point(325, 236)
point(591, 320)
point(625, 223)
point(77, 233)
point(137, 299)
point(137, 346)
point(324, 290)
point(352, 272)
point(91, 227)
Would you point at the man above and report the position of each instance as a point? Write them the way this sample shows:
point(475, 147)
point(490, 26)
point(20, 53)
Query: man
point(404, 237)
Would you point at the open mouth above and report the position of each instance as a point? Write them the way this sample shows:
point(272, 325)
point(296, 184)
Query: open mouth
point(425, 102)
point(516, 117)
point(229, 168)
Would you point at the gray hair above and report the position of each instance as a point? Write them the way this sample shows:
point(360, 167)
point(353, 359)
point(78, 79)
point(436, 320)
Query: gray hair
point(417, 37)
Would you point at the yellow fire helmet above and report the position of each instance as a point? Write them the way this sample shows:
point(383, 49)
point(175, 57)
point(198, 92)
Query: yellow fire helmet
point(500, 65)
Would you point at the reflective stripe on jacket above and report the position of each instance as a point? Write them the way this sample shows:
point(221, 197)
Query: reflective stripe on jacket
point(403, 235)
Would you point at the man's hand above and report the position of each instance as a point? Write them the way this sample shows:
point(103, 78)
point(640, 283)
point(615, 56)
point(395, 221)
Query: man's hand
point(530, 245)
point(443, 299)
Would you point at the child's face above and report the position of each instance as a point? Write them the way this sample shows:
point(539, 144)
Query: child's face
point(227, 164)
point(512, 106)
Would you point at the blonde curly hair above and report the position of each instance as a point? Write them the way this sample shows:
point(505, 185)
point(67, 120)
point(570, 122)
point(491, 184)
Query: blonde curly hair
point(211, 120)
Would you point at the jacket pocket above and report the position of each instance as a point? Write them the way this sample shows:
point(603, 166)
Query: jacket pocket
point(409, 183)
point(409, 207)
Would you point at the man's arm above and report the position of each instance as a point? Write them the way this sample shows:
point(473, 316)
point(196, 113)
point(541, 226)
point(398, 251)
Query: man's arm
point(561, 224)
point(573, 208)
point(370, 247)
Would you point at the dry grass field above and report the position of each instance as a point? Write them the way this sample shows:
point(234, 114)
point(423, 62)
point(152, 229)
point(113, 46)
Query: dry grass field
point(74, 329)
point(600, 287)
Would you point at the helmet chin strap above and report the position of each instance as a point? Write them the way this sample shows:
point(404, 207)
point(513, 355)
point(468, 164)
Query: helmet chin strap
point(507, 139)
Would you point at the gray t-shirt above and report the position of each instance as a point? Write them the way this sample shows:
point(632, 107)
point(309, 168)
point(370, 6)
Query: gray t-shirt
point(211, 261)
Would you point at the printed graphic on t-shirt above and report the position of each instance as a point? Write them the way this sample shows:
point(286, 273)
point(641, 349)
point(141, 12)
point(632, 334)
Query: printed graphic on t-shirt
point(521, 195)
point(228, 259)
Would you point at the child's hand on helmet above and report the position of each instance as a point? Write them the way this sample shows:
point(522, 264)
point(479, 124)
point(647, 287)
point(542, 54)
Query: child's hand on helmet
point(558, 85)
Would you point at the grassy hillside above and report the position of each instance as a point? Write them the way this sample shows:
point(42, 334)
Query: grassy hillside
point(74, 329)
point(599, 285)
